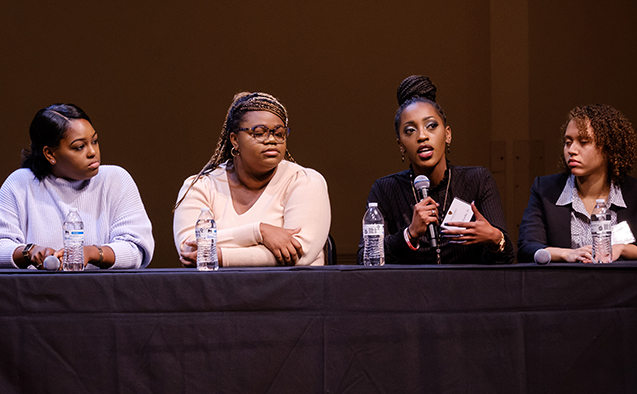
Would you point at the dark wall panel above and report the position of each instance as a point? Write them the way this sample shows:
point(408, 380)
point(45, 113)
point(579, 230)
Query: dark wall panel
point(158, 77)
point(580, 53)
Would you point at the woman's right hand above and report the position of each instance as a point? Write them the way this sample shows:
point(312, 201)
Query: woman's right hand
point(39, 253)
point(425, 213)
point(583, 254)
point(281, 242)
point(189, 258)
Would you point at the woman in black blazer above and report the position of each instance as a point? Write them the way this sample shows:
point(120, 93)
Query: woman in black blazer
point(599, 151)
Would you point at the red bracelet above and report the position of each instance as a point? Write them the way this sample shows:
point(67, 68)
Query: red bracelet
point(408, 240)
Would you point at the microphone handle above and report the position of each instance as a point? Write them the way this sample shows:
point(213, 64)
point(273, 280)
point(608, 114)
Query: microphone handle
point(422, 193)
point(433, 236)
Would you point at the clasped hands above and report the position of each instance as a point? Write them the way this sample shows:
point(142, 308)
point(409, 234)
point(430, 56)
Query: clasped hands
point(286, 249)
point(469, 233)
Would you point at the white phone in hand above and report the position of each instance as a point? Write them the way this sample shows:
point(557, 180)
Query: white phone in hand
point(459, 211)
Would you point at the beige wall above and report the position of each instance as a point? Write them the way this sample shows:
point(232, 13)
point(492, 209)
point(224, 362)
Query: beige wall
point(157, 78)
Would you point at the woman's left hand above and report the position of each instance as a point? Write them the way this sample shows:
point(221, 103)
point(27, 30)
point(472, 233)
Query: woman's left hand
point(478, 232)
point(627, 251)
point(617, 251)
point(286, 249)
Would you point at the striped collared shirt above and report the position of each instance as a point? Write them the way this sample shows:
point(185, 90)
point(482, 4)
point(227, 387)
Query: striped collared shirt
point(580, 218)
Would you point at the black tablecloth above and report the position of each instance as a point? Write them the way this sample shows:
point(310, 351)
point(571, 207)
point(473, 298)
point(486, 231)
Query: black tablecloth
point(337, 329)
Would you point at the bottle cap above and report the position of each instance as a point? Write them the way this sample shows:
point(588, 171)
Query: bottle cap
point(205, 209)
point(72, 209)
point(372, 204)
point(600, 201)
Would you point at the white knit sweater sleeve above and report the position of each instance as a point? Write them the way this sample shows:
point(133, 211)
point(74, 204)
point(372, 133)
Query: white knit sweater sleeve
point(130, 231)
point(11, 234)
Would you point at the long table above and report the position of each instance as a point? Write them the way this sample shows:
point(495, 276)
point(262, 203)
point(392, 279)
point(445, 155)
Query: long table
point(336, 329)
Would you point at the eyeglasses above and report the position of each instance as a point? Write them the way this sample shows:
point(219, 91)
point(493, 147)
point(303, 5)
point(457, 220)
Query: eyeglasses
point(262, 133)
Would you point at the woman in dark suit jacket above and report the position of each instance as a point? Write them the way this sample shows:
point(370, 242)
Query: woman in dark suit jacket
point(599, 150)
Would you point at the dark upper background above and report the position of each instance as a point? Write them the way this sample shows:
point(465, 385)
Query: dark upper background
point(157, 77)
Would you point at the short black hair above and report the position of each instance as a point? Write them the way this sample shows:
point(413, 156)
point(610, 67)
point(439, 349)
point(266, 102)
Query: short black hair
point(47, 129)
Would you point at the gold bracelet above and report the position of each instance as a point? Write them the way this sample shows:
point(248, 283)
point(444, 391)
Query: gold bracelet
point(500, 245)
point(101, 259)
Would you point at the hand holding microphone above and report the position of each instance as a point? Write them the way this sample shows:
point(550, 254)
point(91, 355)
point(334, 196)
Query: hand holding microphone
point(51, 263)
point(43, 257)
point(425, 211)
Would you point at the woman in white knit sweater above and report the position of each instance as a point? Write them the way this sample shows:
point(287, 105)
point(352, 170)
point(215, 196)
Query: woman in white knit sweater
point(269, 210)
point(62, 170)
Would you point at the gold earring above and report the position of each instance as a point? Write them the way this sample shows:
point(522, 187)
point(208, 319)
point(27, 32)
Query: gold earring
point(234, 151)
point(402, 153)
point(448, 147)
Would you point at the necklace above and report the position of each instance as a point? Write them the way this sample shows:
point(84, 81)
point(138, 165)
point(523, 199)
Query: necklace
point(444, 205)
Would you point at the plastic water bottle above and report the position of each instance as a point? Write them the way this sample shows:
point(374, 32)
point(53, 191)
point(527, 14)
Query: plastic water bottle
point(601, 232)
point(73, 226)
point(206, 232)
point(373, 236)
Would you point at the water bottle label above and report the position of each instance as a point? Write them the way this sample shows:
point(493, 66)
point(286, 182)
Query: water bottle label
point(206, 233)
point(74, 235)
point(600, 226)
point(373, 229)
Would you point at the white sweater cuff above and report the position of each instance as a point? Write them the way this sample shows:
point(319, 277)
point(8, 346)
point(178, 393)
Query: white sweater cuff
point(6, 254)
point(126, 256)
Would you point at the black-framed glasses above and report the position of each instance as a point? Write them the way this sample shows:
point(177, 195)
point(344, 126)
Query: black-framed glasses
point(262, 133)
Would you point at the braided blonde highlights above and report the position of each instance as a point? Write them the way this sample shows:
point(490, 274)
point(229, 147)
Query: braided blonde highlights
point(241, 103)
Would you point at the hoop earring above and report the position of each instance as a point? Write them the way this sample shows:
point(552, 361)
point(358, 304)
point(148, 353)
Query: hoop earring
point(234, 152)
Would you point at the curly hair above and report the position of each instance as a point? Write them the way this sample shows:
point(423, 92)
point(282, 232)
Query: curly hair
point(241, 104)
point(613, 134)
point(416, 89)
point(47, 129)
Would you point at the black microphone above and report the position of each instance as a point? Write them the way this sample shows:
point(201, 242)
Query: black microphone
point(542, 256)
point(421, 184)
point(51, 263)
